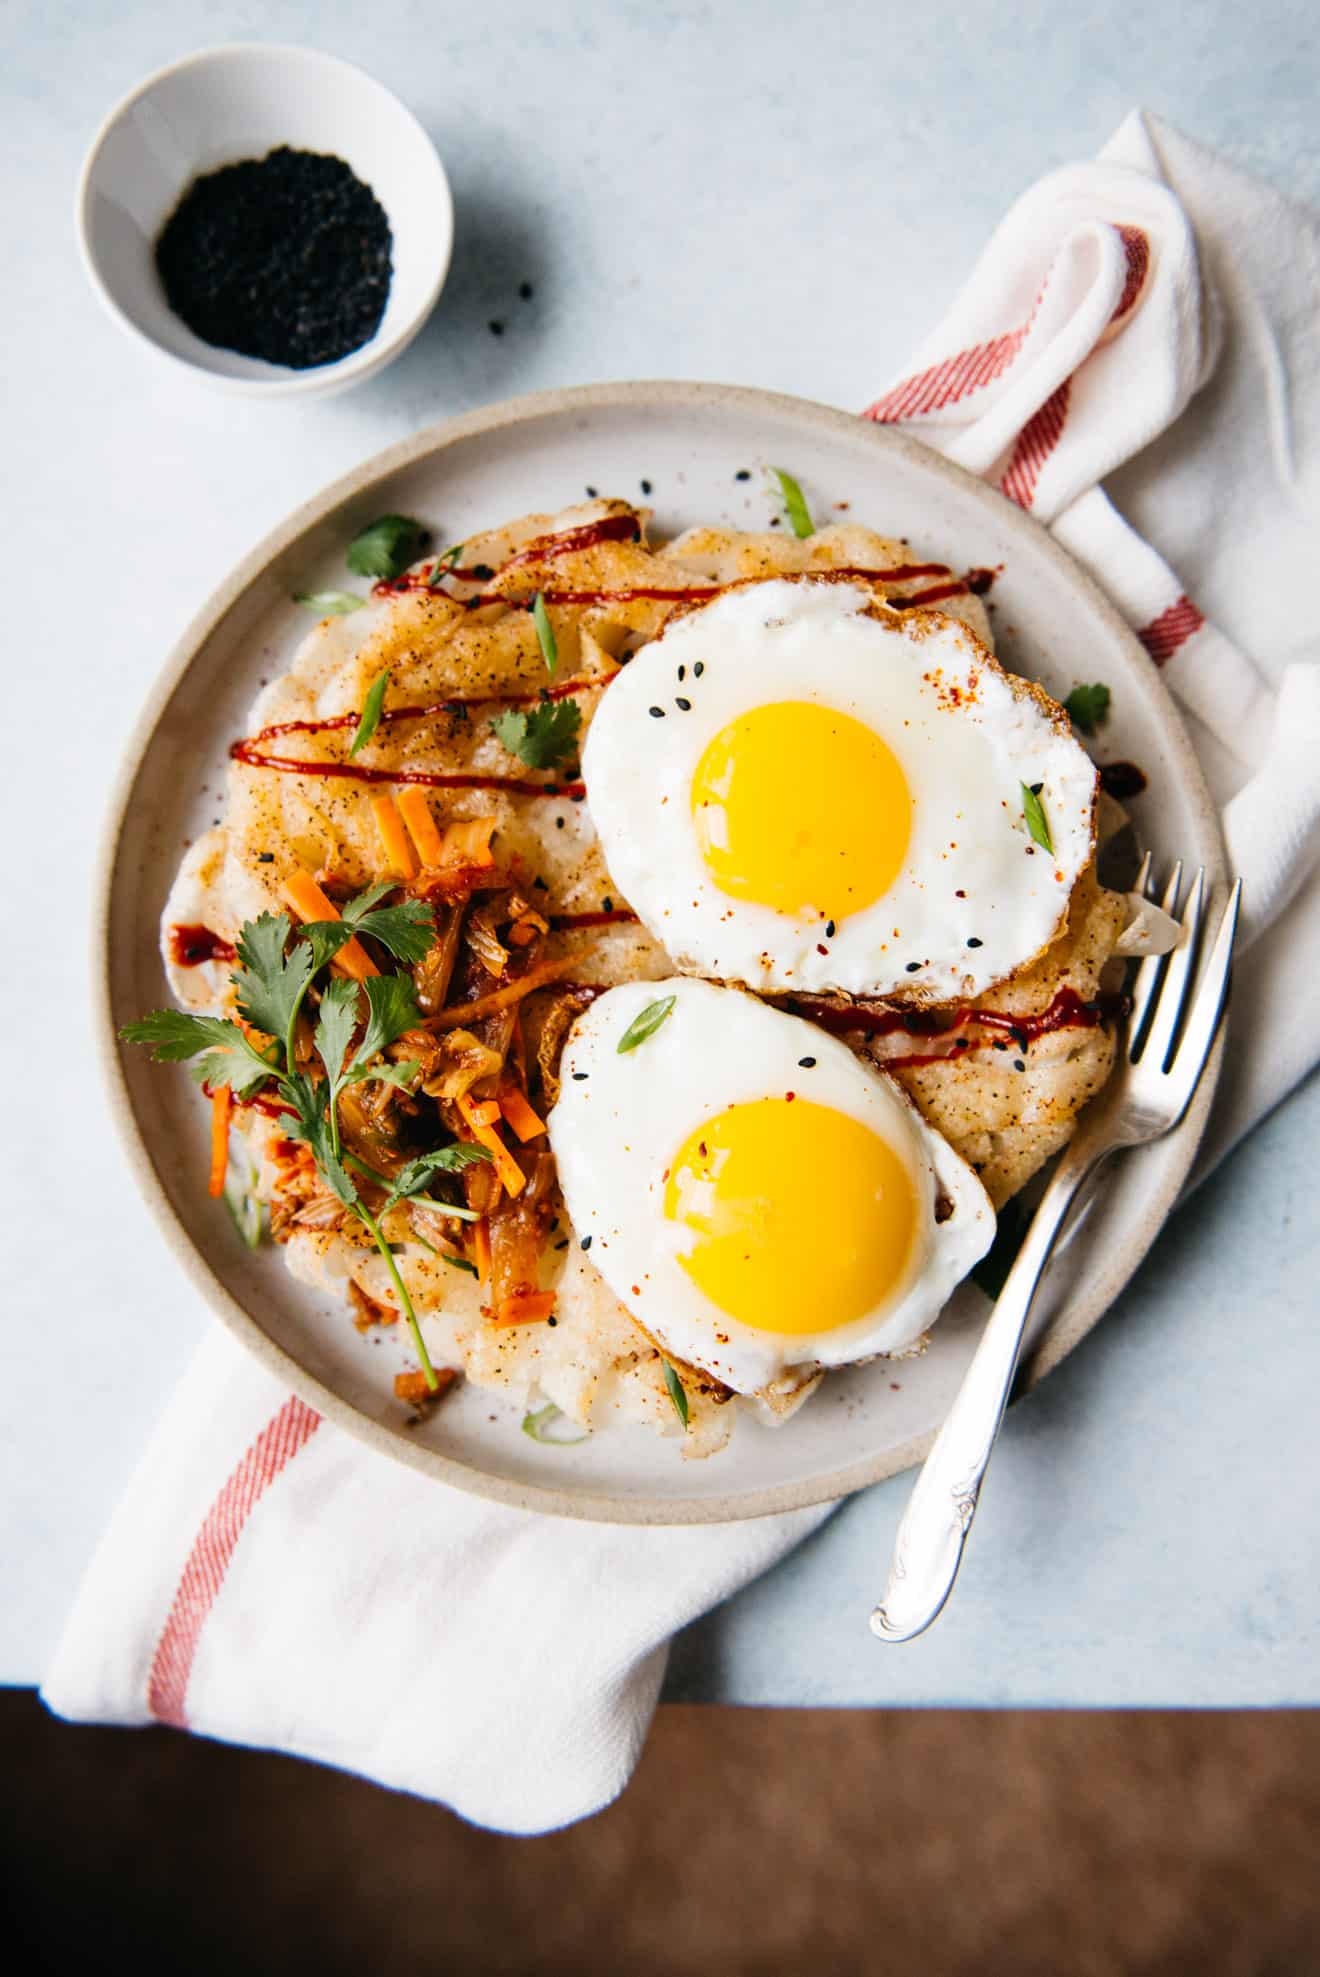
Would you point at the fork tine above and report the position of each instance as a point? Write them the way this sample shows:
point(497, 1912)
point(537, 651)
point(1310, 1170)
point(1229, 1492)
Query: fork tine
point(1146, 981)
point(1203, 1017)
point(1176, 986)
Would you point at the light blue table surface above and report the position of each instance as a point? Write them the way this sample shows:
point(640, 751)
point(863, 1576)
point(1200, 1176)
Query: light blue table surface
point(777, 194)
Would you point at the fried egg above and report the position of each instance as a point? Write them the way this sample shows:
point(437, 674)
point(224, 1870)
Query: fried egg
point(797, 787)
point(761, 1203)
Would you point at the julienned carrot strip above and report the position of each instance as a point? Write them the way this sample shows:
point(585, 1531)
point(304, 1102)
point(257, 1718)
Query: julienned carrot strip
point(485, 1134)
point(525, 1122)
point(421, 824)
point(481, 1248)
point(393, 837)
point(483, 1112)
point(307, 900)
point(524, 1308)
point(222, 1105)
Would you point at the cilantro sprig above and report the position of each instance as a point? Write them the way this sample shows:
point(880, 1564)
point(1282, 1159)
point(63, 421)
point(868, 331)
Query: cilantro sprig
point(272, 984)
point(540, 736)
point(386, 547)
point(1087, 707)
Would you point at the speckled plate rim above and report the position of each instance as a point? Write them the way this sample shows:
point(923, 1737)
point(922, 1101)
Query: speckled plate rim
point(1083, 1310)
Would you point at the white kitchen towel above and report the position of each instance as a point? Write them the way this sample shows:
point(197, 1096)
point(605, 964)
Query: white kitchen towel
point(1150, 318)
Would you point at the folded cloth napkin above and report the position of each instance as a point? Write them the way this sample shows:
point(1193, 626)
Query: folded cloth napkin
point(1149, 318)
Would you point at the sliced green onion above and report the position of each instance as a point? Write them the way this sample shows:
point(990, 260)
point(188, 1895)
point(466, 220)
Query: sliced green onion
point(676, 1393)
point(372, 708)
point(794, 503)
point(1034, 813)
point(645, 1023)
point(545, 633)
point(443, 565)
point(330, 603)
point(535, 1427)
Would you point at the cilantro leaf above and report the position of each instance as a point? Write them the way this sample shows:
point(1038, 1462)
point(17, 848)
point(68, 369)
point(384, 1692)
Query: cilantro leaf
point(330, 603)
point(795, 505)
point(386, 547)
point(338, 1020)
point(1034, 812)
point(271, 988)
point(545, 634)
point(1087, 707)
point(408, 931)
point(540, 736)
point(225, 1057)
point(393, 1010)
point(410, 1180)
point(369, 718)
point(354, 908)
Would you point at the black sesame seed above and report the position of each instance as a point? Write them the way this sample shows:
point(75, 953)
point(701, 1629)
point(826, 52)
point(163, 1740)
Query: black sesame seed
point(698, 669)
point(998, 1044)
point(743, 474)
point(265, 858)
point(285, 257)
point(684, 705)
point(913, 967)
point(526, 291)
point(586, 1242)
point(646, 487)
point(559, 823)
point(580, 1077)
point(1036, 788)
point(496, 329)
point(539, 881)
point(1018, 1065)
point(563, 1244)
point(607, 905)
point(592, 494)
point(829, 930)
point(805, 1063)
point(972, 941)
point(682, 674)
point(656, 713)
point(552, 1320)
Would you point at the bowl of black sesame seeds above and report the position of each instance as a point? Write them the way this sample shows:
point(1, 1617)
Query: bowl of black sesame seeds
point(270, 218)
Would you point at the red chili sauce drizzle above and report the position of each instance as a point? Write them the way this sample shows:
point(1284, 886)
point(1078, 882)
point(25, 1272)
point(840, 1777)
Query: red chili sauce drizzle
point(254, 752)
point(191, 946)
point(1066, 1012)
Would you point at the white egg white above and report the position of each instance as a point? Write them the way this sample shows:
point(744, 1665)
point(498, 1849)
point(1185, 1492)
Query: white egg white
point(621, 1118)
point(976, 897)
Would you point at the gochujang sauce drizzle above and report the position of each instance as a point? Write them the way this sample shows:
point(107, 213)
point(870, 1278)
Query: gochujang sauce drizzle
point(1066, 1012)
point(190, 947)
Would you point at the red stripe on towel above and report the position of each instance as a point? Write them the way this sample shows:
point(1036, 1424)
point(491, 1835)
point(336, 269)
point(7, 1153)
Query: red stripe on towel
point(208, 1561)
point(1163, 635)
point(1136, 247)
point(944, 384)
point(1035, 443)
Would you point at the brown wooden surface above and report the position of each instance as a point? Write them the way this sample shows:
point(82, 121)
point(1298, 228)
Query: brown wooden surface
point(750, 1841)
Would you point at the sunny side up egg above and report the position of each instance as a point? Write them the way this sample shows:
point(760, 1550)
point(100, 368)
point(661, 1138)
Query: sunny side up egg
point(797, 788)
point(760, 1202)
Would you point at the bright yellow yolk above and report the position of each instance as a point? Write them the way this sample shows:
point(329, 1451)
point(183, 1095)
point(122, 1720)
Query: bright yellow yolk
point(803, 1218)
point(799, 806)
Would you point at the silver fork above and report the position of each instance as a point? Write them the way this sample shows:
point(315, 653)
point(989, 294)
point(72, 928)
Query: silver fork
point(1170, 1032)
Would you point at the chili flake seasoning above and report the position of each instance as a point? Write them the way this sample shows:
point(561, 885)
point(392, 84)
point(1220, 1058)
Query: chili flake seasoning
point(285, 258)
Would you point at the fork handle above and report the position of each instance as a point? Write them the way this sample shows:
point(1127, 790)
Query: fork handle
point(929, 1546)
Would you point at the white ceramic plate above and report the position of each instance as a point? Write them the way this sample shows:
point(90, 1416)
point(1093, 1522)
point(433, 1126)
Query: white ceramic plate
point(688, 442)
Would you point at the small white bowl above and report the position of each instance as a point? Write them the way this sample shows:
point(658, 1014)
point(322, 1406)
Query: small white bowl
point(225, 104)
